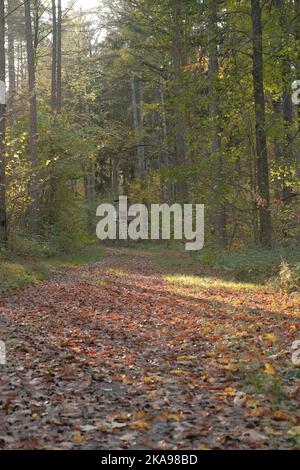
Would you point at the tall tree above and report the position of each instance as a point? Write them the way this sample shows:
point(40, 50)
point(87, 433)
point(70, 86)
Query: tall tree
point(260, 123)
point(32, 116)
point(287, 105)
point(54, 58)
point(177, 55)
point(59, 51)
point(138, 124)
point(3, 220)
point(11, 52)
point(297, 35)
point(219, 215)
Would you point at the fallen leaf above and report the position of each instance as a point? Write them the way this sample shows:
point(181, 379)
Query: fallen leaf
point(269, 369)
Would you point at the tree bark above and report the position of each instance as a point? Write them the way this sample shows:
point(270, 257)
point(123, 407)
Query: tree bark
point(54, 58)
point(177, 59)
point(89, 188)
point(219, 217)
point(32, 116)
point(287, 105)
point(3, 219)
point(297, 35)
point(277, 141)
point(297, 31)
point(59, 50)
point(138, 125)
point(11, 55)
point(179, 126)
point(261, 140)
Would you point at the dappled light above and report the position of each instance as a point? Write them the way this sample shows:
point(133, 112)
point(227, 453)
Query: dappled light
point(149, 231)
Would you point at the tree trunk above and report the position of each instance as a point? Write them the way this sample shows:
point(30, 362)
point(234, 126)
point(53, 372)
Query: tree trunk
point(177, 60)
point(297, 35)
point(219, 217)
point(3, 219)
point(32, 116)
point(179, 126)
point(11, 54)
point(54, 58)
point(138, 125)
point(58, 77)
point(261, 140)
point(277, 141)
point(287, 105)
point(89, 188)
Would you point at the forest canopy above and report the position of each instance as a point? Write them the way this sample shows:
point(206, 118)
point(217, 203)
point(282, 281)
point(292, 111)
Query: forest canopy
point(149, 228)
point(164, 101)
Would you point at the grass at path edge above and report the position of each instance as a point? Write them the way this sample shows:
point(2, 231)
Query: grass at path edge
point(20, 272)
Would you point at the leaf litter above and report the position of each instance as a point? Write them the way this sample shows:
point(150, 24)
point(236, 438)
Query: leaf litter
point(109, 355)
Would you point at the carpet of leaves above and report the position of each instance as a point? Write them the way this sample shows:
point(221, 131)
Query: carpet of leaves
point(110, 356)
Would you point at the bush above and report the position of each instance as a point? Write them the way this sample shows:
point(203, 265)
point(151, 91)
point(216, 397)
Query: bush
point(63, 242)
point(250, 265)
point(257, 264)
point(54, 242)
point(289, 277)
point(209, 255)
point(29, 248)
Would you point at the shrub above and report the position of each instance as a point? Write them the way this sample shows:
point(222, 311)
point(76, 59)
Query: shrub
point(209, 255)
point(257, 264)
point(30, 248)
point(289, 277)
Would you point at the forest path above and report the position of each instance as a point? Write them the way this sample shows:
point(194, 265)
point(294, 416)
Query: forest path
point(111, 356)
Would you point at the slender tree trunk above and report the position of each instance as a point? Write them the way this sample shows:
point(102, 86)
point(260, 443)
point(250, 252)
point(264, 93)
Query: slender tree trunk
point(287, 109)
point(20, 67)
point(89, 188)
point(297, 35)
point(52, 186)
point(287, 105)
point(35, 14)
point(54, 58)
point(167, 188)
point(163, 111)
point(277, 141)
point(138, 125)
point(32, 116)
point(59, 50)
point(177, 59)
point(3, 219)
point(297, 31)
point(114, 175)
point(261, 140)
point(11, 55)
point(214, 114)
point(179, 121)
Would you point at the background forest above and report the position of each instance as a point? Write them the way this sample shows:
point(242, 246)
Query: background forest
point(169, 100)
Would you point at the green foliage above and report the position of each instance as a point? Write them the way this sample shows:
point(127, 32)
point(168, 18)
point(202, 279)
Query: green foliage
point(146, 192)
point(209, 255)
point(255, 264)
point(55, 240)
point(260, 383)
point(94, 134)
point(33, 263)
point(289, 277)
point(28, 248)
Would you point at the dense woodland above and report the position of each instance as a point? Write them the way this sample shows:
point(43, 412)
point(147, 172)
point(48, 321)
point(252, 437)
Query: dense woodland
point(141, 344)
point(187, 101)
